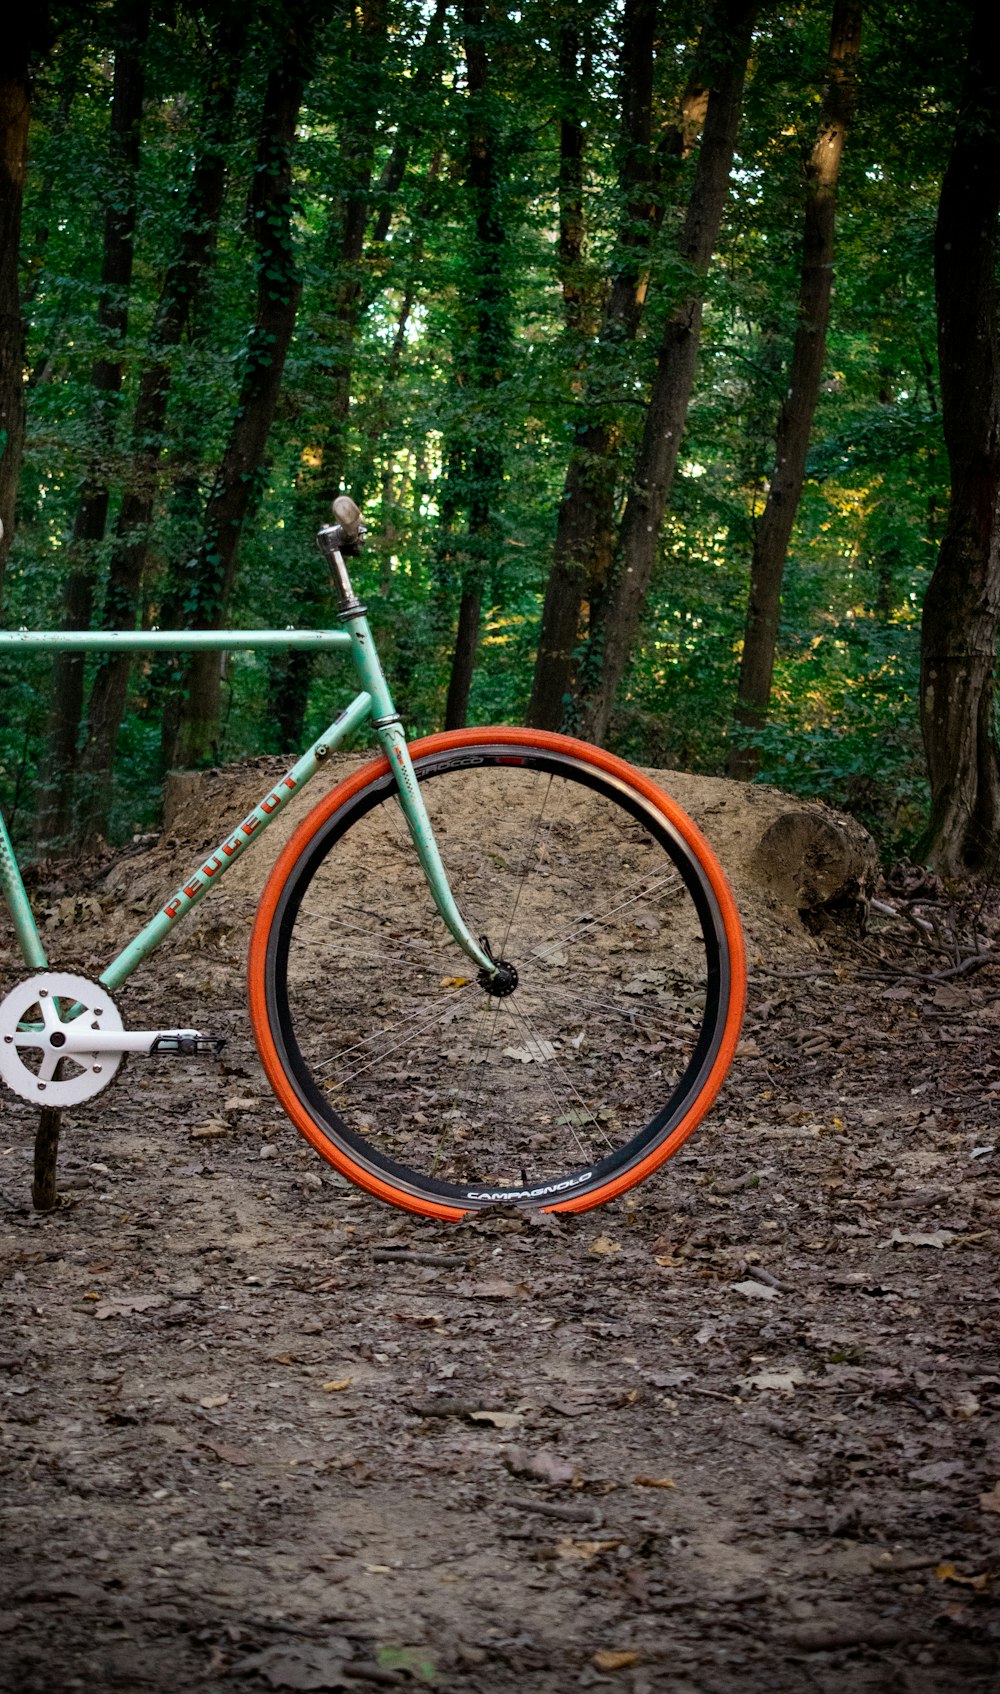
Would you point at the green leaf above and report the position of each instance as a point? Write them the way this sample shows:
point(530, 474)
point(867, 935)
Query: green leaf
point(415, 1661)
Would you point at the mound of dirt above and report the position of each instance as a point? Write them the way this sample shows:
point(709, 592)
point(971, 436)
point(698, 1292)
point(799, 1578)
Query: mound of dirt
point(790, 863)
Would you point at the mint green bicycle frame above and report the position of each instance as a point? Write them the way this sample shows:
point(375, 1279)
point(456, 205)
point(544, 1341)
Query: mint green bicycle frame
point(373, 704)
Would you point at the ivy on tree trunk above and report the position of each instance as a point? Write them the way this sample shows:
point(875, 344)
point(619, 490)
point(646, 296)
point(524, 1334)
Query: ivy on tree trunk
point(615, 613)
point(490, 343)
point(770, 551)
point(55, 808)
point(583, 532)
point(186, 275)
point(15, 112)
point(961, 613)
point(192, 732)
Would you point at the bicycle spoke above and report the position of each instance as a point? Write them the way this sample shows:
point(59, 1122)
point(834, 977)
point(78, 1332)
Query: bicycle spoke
point(554, 1061)
point(486, 1059)
point(564, 936)
point(484, 1011)
point(524, 864)
point(636, 1010)
point(390, 1030)
point(336, 920)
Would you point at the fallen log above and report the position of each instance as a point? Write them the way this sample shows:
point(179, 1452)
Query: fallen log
point(814, 859)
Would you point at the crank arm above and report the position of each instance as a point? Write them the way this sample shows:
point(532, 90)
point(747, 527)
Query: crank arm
point(77, 1039)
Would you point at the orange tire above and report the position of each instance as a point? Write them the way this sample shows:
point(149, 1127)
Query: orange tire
point(643, 997)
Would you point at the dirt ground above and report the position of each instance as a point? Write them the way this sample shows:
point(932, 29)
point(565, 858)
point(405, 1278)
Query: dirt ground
point(737, 1431)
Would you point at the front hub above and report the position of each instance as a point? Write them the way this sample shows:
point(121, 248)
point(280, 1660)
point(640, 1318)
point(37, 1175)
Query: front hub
point(499, 982)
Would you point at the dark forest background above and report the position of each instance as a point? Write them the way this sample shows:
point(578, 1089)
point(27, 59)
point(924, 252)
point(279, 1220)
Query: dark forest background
point(657, 341)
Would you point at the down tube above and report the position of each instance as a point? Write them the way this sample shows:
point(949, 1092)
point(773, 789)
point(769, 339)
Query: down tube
point(211, 870)
point(25, 928)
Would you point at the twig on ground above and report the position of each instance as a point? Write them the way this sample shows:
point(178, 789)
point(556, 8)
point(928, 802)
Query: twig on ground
point(883, 909)
point(417, 1256)
point(978, 961)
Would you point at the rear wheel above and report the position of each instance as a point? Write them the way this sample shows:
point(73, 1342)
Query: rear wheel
point(621, 993)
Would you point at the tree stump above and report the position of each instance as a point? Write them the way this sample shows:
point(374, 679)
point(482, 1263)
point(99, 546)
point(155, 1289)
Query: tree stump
point(813, 860)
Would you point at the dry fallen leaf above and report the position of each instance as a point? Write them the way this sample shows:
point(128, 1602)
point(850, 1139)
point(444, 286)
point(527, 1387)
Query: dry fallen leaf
point(490, 1290)
point(754, 1290)
point(300, 1666)
point(613, 1658)
point(905, 1238)
point(499, 1420)
point(336, 1386)
point(222, 1450)
point(966, 1404)
point(654, 1482)
point(211, 1402)
point(990, 1502)
point(604, 1244)
point(538, 1053)
point(123, 1305)
point(947, 1572)
point(782, 1382)
point(543, 1466)
point(455, 981)
point(570, 1548)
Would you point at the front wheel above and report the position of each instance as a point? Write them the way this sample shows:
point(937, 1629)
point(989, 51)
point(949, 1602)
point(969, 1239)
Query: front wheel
point(620, 999)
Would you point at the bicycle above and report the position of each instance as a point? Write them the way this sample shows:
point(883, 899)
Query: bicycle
point(494, 967)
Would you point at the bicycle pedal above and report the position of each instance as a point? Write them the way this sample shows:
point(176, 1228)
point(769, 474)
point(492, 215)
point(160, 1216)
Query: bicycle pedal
point(182, 1045)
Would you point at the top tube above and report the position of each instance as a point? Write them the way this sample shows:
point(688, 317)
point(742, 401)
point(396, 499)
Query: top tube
point(171, 640)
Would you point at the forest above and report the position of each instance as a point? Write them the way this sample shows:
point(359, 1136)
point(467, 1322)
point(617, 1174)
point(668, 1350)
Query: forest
point(657, 341)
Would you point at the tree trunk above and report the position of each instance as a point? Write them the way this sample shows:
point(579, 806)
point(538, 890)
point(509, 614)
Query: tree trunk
point(357, 140)
point(15, 111)
point(379, 413)
point(585, 528)
point(290, 674)
point(616, 614)
point(961, 612)
point(770, 551)
point(463, 661)
point(185, 277)
point(575, 74)
point(427, 73)
point(489, 354)
point(56, 786)
point(212, 572)
point(586, 506)
point(70, 71)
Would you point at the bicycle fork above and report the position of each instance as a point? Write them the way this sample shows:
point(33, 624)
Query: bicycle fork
point(334, 539)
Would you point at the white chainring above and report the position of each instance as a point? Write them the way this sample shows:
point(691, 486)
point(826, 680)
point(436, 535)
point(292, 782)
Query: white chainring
point(32, 1063)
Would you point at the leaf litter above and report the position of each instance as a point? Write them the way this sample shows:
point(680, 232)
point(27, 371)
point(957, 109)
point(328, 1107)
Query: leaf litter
point(738, 1429)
